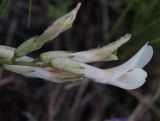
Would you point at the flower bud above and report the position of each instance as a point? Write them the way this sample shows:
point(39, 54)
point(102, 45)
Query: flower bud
point(48, 56)
point(50, 33)
point(106, 53)
point(67, 65)
point(6, 52)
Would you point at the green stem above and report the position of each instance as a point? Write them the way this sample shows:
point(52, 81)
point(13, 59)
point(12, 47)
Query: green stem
point(29, 13)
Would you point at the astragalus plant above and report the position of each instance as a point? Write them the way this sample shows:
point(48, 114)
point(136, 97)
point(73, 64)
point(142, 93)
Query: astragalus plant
point(64, 66)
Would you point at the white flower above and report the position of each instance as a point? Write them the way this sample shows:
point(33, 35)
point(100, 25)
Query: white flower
point(129, 75)
point(61, 66)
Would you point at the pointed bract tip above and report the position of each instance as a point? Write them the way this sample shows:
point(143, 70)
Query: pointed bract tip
point(127, 36)
point(122, 40)
point(79, 5)
point(147, 42)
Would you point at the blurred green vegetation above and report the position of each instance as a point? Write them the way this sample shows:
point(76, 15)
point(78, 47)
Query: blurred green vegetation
point(143, 18)
point(29, 13)
point(59, 8)
point(4, 6)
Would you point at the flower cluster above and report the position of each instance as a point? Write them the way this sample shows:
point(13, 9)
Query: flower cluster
point(64, 66)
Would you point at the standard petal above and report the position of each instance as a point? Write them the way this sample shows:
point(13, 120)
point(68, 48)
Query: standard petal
point(130, 80)
point(145, 58)
point(139, 60)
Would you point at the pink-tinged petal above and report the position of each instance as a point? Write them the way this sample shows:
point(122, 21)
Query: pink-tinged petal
point(139, 60)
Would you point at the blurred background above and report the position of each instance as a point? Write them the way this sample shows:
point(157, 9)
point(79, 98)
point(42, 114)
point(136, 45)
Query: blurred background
point(98, 23)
